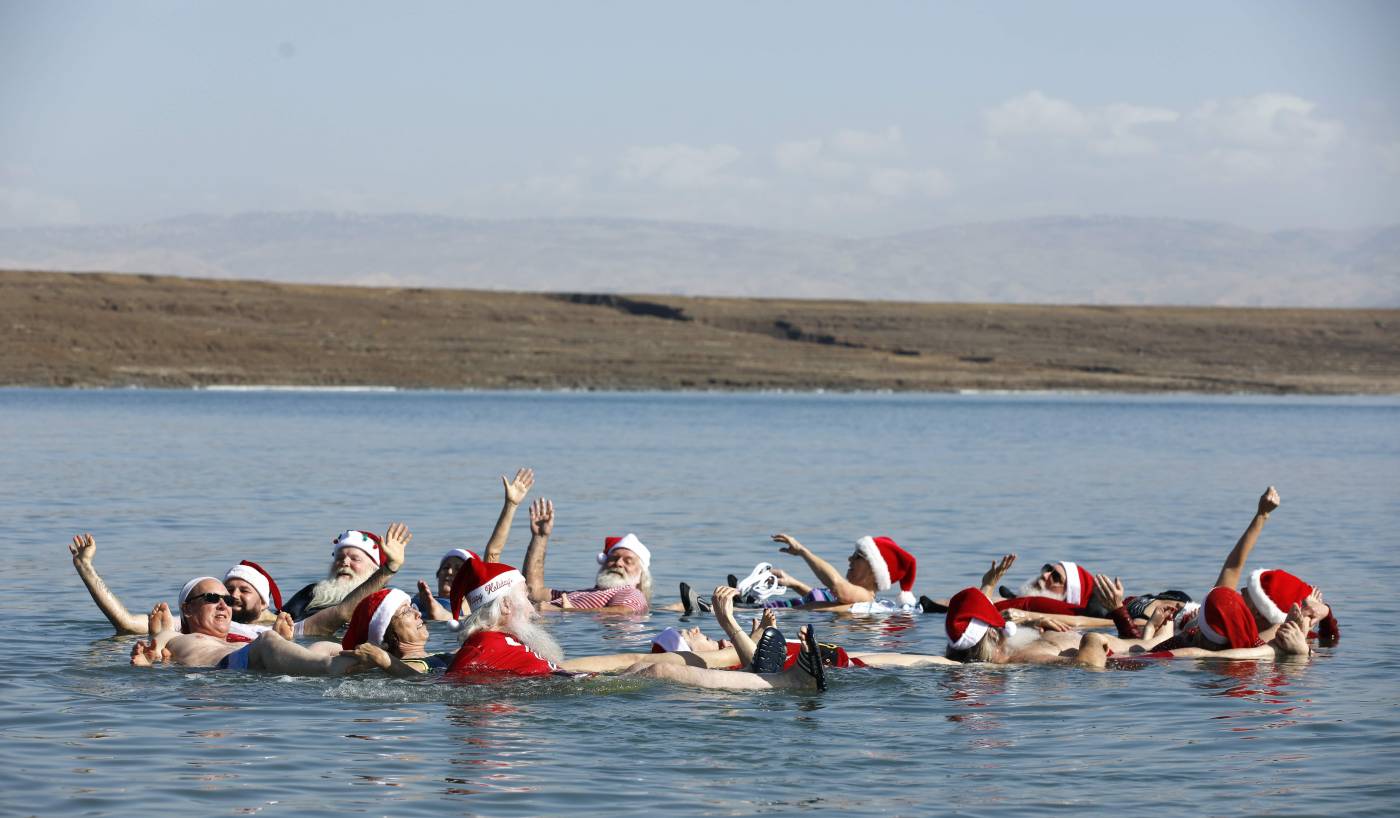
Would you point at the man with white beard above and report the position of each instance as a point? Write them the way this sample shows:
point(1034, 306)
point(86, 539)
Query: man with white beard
point(356, 556)
point(500, 635)
point(623, 582)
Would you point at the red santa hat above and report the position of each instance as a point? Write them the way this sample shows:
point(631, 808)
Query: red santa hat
point(1274, 591)
point(890, 564)
point(480, 582)
point(258, 577)
point(970, 615)
point(631, 543)
point(364, 540)
point(1225, 620)
point(669, 641)
point(1079, 584)
point(372, 616)
point(460, 553)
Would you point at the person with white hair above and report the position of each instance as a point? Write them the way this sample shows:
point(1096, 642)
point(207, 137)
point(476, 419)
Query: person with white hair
point(623, 581)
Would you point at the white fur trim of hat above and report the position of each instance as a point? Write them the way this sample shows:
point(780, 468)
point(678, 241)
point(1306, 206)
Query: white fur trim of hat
point(384, 614)
point(254, 578)
point(631, 543)
point(868, 549)
point(1262, 603)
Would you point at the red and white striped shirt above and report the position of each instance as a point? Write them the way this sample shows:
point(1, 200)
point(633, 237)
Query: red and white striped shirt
point(626, 597)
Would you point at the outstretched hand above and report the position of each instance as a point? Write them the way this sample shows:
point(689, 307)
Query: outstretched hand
point(519, 487)
point(82, 549)
point(542, 517)
point(1268, 501)
point(790, 545)
point(993, 577)
point(724, 602)
point(396, 539)
point(1108, 591)
point(428, 604)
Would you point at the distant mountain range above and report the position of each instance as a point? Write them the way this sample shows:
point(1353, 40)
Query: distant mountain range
point(1095, 260)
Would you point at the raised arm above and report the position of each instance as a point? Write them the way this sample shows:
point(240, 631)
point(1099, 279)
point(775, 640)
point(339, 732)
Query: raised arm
point(83, 548)
point(328, 621)
point(724, 615)
point(1234, 563)
point(826, 574)
point(541, 524)
point(791, 582)
point(992, 578)
point(515, 495)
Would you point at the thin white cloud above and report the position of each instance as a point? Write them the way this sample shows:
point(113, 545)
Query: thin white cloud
point(680, 167)
point(1110, 130)
point(896, 182)
point(869, 144)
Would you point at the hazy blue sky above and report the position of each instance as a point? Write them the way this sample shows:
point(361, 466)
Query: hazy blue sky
point(850, 118)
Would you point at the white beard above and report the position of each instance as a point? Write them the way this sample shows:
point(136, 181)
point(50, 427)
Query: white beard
point(1032, 588)
point(537, 639)
point(331, 591)
point(613, 578)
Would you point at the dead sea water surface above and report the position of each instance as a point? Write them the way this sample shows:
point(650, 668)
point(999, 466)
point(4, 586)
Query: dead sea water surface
point(1154, 489)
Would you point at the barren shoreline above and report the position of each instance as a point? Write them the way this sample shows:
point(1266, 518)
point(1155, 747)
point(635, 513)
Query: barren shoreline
point(117, 330)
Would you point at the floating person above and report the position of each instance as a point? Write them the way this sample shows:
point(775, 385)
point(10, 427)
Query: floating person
point(203, 639)
point(623, 581)
point(355, 555)
point(256, 596)
point(388, 631)
point(877, 564)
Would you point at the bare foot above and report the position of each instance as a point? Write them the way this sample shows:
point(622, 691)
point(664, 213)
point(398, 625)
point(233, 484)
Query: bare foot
point(1291, 640)
point(284, 626)
point(159, 619)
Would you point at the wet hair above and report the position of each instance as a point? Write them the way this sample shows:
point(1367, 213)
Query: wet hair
point(984, 651)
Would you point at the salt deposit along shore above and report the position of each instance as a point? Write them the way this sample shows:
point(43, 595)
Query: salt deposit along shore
point(119, 330)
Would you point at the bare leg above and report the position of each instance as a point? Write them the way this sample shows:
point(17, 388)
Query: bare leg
point(707, 678)
point(902, 659)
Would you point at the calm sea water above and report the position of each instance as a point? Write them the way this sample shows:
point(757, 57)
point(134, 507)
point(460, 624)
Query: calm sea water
point(176, 484)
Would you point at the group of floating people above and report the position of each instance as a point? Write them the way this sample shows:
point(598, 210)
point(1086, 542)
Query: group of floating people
point(1063, 614)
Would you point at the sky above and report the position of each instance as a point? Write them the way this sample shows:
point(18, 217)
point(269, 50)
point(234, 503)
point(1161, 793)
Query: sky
point(840, 118)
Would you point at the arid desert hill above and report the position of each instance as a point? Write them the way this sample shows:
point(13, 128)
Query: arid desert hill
point(109, 330)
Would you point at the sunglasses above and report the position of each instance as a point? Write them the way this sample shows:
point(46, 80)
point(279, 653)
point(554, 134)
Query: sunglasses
point(211, 598)
point(1053, 571)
